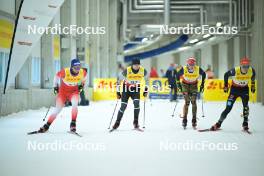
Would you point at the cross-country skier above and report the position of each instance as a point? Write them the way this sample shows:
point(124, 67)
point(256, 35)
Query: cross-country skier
point(68, 82)
point(241, 76)
point(171, 74)
point(132, 78)
point(189, 87)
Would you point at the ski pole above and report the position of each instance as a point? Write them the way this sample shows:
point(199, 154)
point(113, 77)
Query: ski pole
point(252, 97)
point(113, 115)
point(202, 107)
point(174, 109)
point(46, 114)
point(144, 113)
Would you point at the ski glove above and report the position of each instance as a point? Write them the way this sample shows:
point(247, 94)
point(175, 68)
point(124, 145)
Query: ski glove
point(253, 88)
point(55, 90)
point(80, 87)
point(179, 86)
point(202, 88)
point(226, 89)
point(145, 93)
point(118, 95)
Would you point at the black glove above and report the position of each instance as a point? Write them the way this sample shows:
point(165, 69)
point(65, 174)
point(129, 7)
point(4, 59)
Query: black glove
point(118, 95)
point(80, 87)
point(253, 88)
point(226, 89)
point(145, 93)
point(55, 90)
point(179, 86)
point(202, 88)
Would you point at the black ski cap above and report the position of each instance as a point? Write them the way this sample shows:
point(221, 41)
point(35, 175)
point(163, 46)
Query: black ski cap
point(135, 61)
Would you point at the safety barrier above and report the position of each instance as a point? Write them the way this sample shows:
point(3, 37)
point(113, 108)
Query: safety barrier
point(105, 89)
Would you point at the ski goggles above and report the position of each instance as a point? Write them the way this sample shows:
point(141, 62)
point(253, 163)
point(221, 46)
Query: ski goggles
point(77, 67)
point(245, 66)
point(191, 65)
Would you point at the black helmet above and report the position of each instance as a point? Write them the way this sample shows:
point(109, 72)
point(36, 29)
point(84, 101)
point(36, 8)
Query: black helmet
point(135, 61)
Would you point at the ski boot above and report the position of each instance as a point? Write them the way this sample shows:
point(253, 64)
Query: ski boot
point(73, 126)
point(116, 125)
point(135, 123)
point(136, 126)
point(194, 123)
point(44, 129)
point(216, 126)
point(245, 126)
point(184, 122)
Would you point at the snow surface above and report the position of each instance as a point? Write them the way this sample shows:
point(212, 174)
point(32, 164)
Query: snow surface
point(127, 152)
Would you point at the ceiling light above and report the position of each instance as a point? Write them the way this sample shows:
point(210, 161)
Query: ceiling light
point(218, 24)
point(184, 48)
point(144, 39)
point(194, 41)
point(200, 43)
point(206, 35)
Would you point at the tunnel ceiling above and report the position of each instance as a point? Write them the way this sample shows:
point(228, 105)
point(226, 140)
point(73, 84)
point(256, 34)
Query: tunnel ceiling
point(141, 14)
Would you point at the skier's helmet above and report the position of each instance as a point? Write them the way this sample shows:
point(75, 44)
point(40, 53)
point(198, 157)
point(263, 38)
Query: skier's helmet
point(76, 64)
point(191, 61)
point(245, 61)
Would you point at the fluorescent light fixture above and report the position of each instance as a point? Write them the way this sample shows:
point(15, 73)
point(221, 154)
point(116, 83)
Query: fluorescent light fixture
point(144, 39)
point(194, 41)
point(212, 38)
point(200, 43)
point(206, 35)
point(151, 26)
point(184, 48)
point(218, 24)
